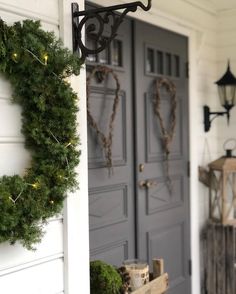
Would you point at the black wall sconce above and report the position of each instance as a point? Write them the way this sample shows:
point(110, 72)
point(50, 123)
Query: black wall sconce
point(95, 30)
point(227, 93)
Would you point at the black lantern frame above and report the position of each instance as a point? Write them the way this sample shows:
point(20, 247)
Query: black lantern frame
point(227, 94)
point(95, 30)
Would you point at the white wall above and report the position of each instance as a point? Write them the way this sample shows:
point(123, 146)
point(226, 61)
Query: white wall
point(226, 49)
point(60, 263)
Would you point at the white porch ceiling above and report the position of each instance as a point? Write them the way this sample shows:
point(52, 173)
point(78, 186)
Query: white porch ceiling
point(223, 4)
point(214, 5)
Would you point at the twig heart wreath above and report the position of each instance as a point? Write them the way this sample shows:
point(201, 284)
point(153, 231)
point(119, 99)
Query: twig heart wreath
point(105, 140)
point(168, 131)
point(37, 65)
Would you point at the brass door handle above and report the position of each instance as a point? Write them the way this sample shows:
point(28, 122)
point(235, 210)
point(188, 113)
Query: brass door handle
point(147, 184)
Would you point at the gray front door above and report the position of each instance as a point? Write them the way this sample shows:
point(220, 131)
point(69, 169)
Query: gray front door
point(128, 219)
point(162, 205)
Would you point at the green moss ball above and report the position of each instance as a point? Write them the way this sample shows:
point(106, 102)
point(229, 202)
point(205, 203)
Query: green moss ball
point(104, 279)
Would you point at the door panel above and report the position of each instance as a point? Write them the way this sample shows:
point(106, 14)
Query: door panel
point(162, 215)
point(101, 101)
point(153, 148)
point(111, 197)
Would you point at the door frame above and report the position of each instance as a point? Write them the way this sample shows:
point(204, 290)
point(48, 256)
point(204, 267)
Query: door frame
point(80, 224)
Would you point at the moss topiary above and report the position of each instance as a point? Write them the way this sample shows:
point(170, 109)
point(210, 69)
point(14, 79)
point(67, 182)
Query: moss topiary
point(104, 279)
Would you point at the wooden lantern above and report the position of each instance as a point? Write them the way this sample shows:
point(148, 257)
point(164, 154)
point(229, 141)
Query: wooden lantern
point(222, 202)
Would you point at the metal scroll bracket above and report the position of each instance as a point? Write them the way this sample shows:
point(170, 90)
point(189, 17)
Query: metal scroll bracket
point(95, 30)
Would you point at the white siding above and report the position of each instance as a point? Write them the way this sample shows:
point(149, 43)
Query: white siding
point(54, 267)
point(41, 278)
point(226, 49)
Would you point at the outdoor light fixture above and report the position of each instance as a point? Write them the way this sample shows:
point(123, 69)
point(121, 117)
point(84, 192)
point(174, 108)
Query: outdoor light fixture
point(95, 30)
point(227, 93)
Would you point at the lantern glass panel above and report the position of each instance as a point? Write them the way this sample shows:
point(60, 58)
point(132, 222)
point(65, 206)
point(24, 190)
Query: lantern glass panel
point(223, 196)
point(227, 95)
point(215, 195)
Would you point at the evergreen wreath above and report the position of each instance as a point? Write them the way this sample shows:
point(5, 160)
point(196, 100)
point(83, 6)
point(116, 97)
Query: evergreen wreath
point(36, 65)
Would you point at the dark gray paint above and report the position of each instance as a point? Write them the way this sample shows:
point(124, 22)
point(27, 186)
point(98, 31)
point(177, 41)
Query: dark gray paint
point(111, 198)
point(126, 220)
point(162, 217)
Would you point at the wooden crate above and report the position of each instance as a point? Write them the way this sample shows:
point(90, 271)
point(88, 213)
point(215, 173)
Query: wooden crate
point(159, 284)
point(220, 258)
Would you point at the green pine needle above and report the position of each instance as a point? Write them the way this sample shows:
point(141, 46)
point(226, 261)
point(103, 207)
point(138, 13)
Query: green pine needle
point(36, 65)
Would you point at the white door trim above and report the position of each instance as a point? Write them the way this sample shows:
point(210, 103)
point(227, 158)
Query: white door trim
point(76, 209)
point(76, 214)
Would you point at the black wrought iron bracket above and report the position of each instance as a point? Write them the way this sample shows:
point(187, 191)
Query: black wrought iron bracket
point(207, 114)
point(95, 31)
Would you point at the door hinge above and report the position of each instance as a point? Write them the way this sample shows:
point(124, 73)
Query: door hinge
point(190, 267)
point(188, 169)
point(187, 69)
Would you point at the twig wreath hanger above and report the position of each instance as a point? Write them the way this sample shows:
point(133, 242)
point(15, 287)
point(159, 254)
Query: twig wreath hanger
point(168, 131)
point(102, 73)
point(36, 65)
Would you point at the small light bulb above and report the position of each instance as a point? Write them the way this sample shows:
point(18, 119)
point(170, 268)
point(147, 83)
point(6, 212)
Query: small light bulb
point(35, 185)
point(14, 56)
point(60, 177)
point(45, 57)
point(51, 201)
point(67, 81)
